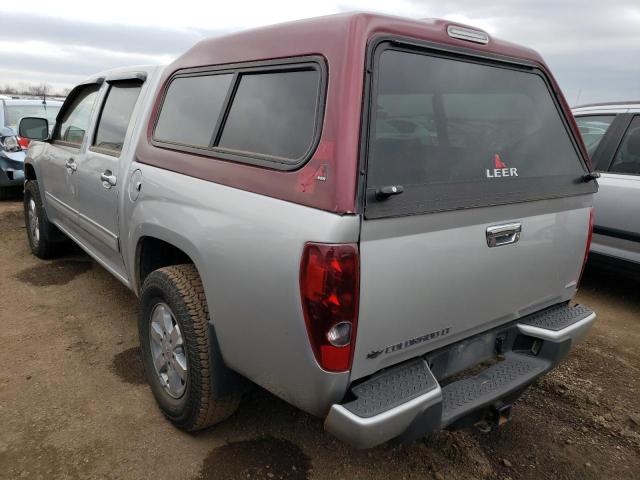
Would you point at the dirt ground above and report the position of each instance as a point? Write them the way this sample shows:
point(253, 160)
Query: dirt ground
point(73, 402)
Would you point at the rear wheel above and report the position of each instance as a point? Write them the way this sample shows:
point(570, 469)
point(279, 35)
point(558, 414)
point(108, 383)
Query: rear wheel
point(44, 237)
point(173, 325)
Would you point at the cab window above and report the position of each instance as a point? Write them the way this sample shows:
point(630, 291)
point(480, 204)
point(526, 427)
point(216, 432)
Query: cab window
point(75, 122)
point(627, 159)
point(592, 128)
point(115, 117)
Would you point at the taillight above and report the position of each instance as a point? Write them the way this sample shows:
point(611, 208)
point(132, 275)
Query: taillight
point(23, 142)
point(329, 284)
point(589, 237)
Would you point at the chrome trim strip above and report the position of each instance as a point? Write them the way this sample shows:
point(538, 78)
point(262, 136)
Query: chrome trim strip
point(368, 432)
point(575, 331)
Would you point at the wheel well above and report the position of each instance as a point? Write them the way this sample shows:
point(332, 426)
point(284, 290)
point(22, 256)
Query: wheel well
point(153, 253)
point(29, 172)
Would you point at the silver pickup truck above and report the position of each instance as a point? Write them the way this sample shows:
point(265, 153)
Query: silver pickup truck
point(382, 221)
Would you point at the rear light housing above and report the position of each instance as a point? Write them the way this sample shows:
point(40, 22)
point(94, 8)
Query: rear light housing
point(588, 247)
point(329, 289)
point(23, 142)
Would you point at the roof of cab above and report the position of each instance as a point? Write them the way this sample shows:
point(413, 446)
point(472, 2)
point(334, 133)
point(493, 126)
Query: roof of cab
point(331, 33)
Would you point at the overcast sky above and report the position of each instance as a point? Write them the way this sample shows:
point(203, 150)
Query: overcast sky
point(592, 46)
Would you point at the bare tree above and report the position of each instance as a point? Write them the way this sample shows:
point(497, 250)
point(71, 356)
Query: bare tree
point(38, 90)
point(9, 89)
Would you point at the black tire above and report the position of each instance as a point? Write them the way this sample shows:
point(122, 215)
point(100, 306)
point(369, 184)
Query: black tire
point(4, 193)
point(51, 241)
point(201, 405)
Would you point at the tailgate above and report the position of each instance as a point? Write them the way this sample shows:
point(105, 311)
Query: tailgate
point(430, 280)
point(476, 206)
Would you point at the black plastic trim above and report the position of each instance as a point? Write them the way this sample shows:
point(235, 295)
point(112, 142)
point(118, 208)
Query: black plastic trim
point(457, 196)
point(127, 76)
point(614, 265)
point(617, 233)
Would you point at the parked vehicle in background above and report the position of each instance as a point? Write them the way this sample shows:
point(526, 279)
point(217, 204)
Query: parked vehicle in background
point(611, 132)
point(12, 147)
point(310, 207)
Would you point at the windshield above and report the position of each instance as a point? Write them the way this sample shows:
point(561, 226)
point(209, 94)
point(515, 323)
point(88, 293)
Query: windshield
point(13, 113)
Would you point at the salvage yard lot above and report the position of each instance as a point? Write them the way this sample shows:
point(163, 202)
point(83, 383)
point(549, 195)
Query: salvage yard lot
point(73, 402)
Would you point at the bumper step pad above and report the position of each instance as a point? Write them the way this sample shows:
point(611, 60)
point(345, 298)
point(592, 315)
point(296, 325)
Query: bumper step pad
point(557, 317)
point(391, 388)
point(466, 395)
point(406, 401)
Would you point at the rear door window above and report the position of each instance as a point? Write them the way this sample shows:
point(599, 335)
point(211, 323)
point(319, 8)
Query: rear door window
point(459, 133)
point(115, 117)
point(592, 128)
point(627, 159)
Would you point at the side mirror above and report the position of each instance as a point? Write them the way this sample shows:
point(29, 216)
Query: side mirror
point(34, 128)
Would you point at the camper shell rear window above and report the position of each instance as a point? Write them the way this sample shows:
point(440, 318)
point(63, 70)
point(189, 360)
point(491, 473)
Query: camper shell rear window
point(458, 132)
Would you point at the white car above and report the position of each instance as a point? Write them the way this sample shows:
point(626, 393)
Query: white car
point(611, 132)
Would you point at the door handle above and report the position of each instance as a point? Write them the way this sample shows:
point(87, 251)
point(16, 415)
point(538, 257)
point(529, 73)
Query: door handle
point(108, 179)
point(71, 165)
point(506, 234)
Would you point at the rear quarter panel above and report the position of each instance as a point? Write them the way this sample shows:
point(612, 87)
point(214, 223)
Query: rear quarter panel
point(247, 249)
